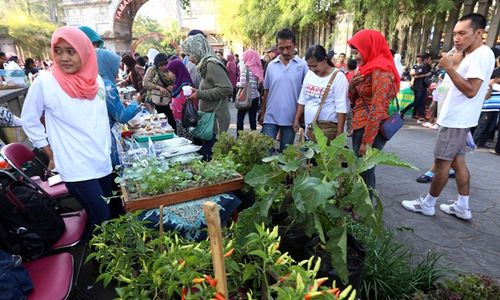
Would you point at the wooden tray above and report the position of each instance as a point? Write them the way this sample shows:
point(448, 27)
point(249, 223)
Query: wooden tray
point(182, 196)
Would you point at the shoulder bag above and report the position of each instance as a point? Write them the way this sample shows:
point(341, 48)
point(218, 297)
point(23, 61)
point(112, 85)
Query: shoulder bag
point(391, 125)
point(244, 95)
point(204, 130)
point(328, 128)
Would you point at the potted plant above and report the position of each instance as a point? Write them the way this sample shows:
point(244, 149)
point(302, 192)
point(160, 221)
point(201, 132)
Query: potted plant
point(245, 151)
point(318, 187)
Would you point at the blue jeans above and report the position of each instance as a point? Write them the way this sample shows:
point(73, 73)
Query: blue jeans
point(89, 193)
point(287, 134)
point(379, 143)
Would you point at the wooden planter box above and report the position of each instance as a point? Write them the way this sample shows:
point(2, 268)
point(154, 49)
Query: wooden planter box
point(182, 196)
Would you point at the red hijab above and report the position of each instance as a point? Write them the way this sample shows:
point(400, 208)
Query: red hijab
point(372, 46)
point(82, 84)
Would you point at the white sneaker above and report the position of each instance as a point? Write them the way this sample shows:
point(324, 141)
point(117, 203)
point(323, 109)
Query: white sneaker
point(435, 127)
point(418, 206)
point(452, 208)
point(427, 124)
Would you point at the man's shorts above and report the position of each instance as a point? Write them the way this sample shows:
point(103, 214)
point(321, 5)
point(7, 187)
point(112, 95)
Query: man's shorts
point(450, 143)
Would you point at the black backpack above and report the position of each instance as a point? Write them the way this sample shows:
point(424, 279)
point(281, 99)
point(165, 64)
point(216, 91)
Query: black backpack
point(29, 221)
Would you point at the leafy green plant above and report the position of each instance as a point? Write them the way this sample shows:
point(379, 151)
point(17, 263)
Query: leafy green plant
point(392, 270)
point(464, 287)
point(153, 177)
point(319, 197)
point(246, 151)
point(146, 265)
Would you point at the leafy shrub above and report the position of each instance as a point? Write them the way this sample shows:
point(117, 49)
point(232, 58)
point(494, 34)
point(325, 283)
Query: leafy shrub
point(392, 270)
point(464, 287)
point(246, 151)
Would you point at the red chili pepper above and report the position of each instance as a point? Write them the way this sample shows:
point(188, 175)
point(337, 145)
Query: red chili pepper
point(183, 295)
point(282, 279)
point(337, 294)
point(229, 253)
point(320, 281)
point(333, 291)
point(212, 282)
point(219, 296)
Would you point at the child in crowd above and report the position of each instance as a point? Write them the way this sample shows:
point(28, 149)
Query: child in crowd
point(73, 97)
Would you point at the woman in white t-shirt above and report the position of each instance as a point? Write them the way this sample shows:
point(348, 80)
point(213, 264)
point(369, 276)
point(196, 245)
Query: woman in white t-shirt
point(332, 116)
point(76, 135)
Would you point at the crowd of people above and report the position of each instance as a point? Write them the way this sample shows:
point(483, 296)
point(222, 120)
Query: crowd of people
point(80, 101)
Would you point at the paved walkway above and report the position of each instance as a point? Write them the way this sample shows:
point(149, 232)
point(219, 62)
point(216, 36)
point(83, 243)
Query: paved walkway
point(472, 247)
point(467, 246)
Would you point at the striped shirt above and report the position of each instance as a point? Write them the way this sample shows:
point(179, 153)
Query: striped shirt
point(254, 81)
point(493, 102)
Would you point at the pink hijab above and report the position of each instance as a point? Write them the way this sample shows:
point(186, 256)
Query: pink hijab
point(82, 84)
point(252, 60)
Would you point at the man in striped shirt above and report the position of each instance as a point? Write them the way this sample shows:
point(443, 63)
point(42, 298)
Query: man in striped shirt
point(489, 113)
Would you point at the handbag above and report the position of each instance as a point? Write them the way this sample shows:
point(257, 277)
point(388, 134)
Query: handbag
point(204, 130)
point(391, 125)
point(243, 99)
point(189, 114)
point(326, 126)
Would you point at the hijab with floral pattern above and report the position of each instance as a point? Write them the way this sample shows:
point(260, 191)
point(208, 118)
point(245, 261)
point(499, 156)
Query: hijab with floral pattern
point(197, 47)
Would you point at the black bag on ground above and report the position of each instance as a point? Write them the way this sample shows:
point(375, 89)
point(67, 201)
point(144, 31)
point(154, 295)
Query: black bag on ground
point(15, 283)
point(29, 220)
point(189, 114)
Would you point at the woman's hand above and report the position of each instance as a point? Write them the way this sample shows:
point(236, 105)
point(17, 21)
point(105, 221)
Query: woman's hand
point(362, 150)
point(355, 80)
point(163, 91)
point(194, 95)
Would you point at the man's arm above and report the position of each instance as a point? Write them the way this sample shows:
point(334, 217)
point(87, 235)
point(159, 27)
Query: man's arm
point(469, 87)
point(263, 106)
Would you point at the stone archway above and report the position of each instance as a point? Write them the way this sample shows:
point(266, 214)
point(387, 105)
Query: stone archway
point(124, 12)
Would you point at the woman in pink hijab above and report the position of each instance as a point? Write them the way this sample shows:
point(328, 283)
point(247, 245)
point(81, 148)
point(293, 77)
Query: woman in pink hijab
point(76, 135)
point(252, 65)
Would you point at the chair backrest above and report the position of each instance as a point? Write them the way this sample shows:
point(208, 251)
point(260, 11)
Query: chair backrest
point(17, 155)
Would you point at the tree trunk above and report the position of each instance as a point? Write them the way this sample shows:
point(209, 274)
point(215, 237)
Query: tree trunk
point(415, 37)
point(426, 28)
point(403, 40)
point(469, 6)
point(438, 33)
point(494, 26)
point(483, 7)
point(452, 20)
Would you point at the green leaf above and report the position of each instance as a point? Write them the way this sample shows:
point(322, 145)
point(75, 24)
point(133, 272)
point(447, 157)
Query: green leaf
point(260, 175)
point(266, 203)
point(337, 247)
point(258, 253)
point(292, 166)
point(374, 157)
point(248, 272)
point(310, 193)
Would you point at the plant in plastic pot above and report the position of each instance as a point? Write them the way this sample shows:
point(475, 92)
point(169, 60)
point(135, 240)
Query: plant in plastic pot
point(318, 186)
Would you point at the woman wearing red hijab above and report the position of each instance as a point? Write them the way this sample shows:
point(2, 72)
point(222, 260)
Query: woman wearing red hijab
point(371, 91)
